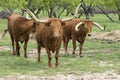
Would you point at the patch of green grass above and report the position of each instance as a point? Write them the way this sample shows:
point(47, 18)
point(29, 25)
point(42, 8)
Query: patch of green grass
point(13, 65)
point(3, 24)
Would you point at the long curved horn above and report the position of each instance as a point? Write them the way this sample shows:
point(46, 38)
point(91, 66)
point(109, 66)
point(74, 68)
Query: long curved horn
point(43, 21)
point(97, 25)
point(67, 19)
point(29, 12)
point(78, 25)
point(75, 14)
point(76, 10)
point(38, 20)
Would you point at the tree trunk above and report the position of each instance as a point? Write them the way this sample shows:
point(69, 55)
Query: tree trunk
point(118, 9)
point(38, 11)
point(106, 14)
point(80, 15)
point(67, 12)
point(118, 15)
point(54, 14)
point(61, 13)
point(22, 12)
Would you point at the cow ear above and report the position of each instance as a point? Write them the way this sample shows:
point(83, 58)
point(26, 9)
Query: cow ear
point(48, 23)
point(35, 24)
point(62, 23)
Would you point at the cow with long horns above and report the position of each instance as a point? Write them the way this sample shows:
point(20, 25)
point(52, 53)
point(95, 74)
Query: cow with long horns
point(49, 35)
point(19, 29)
point(77, 30)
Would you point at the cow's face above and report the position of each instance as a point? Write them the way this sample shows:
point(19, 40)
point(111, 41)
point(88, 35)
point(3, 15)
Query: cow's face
point(88, 27)
point(84, 26)
point(55, 26)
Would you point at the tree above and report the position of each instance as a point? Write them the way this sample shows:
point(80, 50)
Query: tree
point(54, 8)
point(12, 4)
point(35, 6)
point(87, 9)
point(117, 4)
point(105, 5)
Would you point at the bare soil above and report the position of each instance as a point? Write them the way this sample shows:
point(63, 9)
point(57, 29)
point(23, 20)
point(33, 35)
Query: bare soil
point(109, 36)
point(108, 75)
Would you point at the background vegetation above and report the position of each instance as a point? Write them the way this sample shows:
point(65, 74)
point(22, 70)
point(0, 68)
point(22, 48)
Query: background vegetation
point(55, 8)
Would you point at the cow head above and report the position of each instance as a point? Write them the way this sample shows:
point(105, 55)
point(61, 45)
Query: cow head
point(55, 26)
point(86, 25)
point(31, 25)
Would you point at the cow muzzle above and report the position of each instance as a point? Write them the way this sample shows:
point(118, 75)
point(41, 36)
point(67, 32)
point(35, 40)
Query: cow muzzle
point(89, 34)
point(56, 34)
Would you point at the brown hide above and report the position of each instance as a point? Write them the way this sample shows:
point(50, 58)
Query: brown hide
point(70, 33)
point(19, 29)
point(49, 35)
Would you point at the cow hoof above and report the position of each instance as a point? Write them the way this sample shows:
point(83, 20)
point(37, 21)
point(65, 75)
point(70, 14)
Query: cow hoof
point(18, 54)
point(67, 55)
point(14, 54)
point(25, 56)
point(81, 56)
point(56, 66)
point(50, 67)
point(73, 55)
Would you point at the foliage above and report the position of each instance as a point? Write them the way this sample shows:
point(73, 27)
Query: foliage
point(12, 4)
point(55, 8)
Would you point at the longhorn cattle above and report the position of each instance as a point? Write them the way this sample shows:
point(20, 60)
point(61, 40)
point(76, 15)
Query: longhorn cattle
point(19, 29)
point(77, 30)
point(49, 35)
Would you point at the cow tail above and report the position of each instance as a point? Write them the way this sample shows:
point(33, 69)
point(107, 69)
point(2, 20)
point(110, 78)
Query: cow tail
point(5, 31)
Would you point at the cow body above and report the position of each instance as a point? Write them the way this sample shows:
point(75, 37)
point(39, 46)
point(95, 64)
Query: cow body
point(49, 36)
point(69, 33)
point(19, 29)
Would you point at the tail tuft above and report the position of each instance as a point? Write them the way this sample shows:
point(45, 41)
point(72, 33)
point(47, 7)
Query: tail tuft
point(5, 31)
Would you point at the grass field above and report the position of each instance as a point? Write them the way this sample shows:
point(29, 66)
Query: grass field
point(99, 56)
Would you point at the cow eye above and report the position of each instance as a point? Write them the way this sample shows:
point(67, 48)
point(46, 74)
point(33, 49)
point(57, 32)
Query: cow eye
point(34, 24)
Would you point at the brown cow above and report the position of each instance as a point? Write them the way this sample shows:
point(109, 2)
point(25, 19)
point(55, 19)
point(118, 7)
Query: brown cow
point(19, 29)
point(49, 35)
point(77, 30)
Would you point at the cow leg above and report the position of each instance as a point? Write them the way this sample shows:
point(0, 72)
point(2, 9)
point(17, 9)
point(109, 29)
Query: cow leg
point(25, 48)
point(56, 57)
point(39, 50)
point(80, 48)
point(17, 48)
point(65, 43)
point(12, 39)
point(74, 46)
point(49, 58)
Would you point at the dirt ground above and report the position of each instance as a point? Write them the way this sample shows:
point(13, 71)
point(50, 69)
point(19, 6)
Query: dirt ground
point(109, 36)
point(108, 75)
